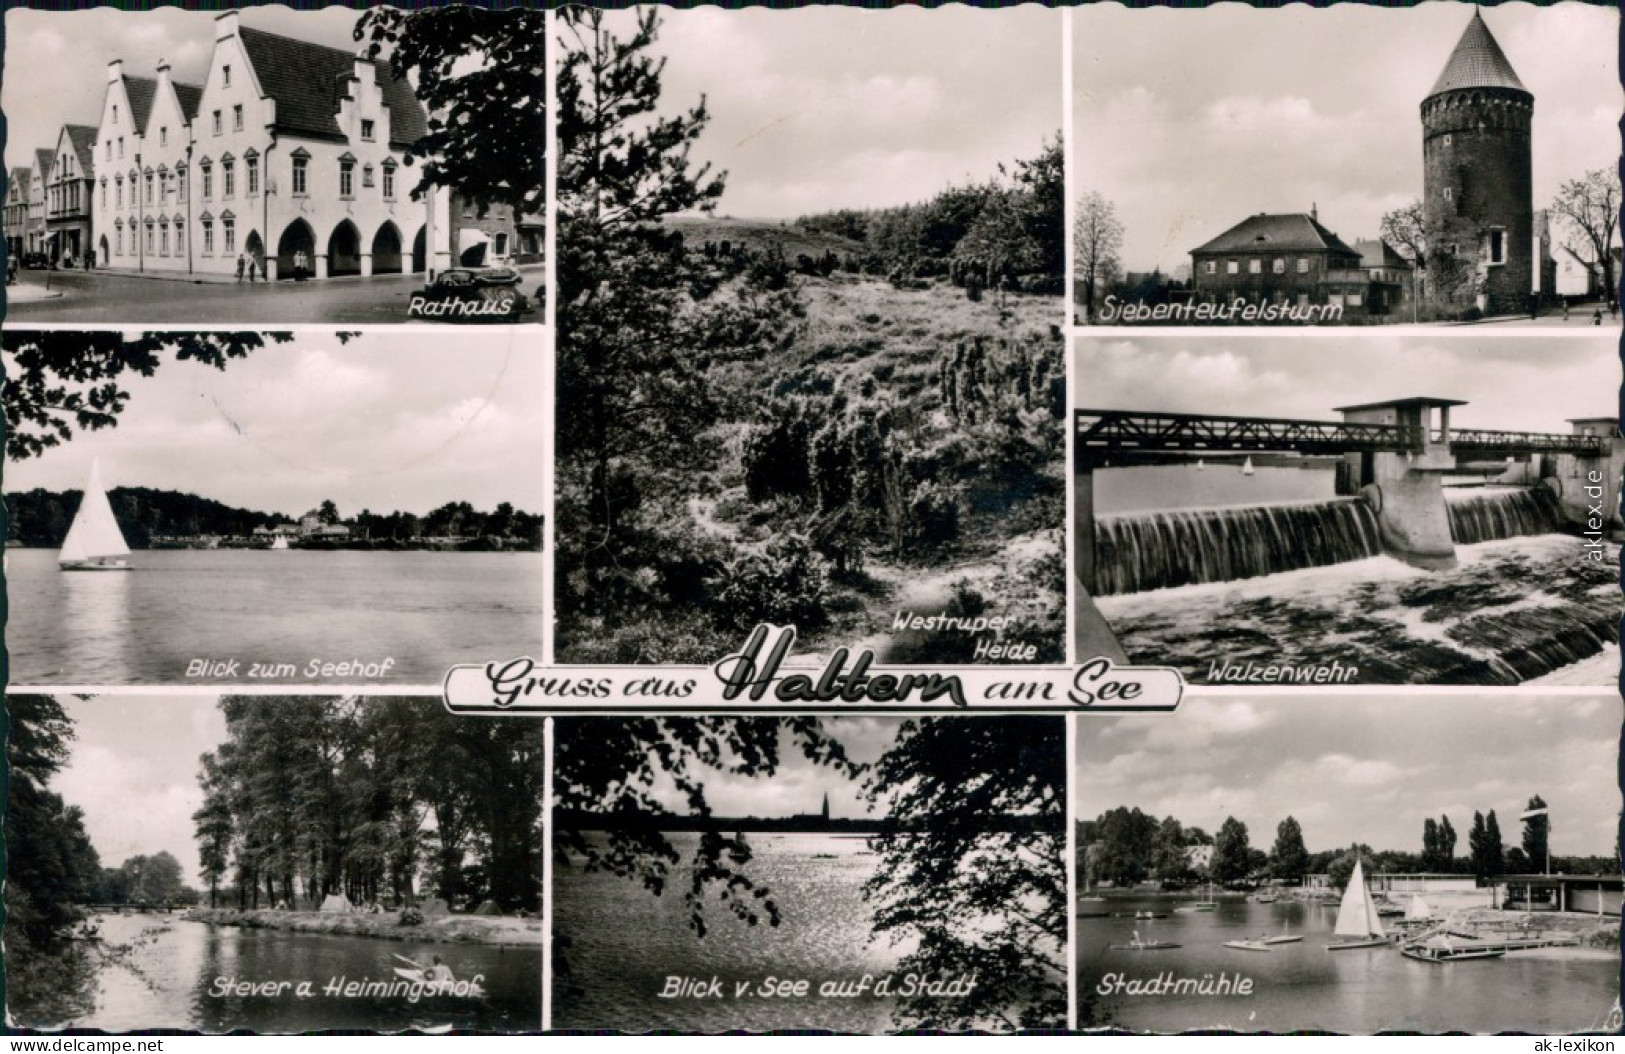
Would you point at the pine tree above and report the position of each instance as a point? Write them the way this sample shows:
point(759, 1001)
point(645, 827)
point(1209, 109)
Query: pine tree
point(640, 319)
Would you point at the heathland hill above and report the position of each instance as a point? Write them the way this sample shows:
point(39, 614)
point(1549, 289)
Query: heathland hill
point(760, 235)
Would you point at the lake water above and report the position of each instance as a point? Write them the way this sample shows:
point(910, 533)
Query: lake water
point(1148, 488)
point(169, 977)
point(624, 943)
point(425, 611)
point(1303, 986)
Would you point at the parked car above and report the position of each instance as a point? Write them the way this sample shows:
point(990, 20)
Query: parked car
point(36, 261)
point(469, 294)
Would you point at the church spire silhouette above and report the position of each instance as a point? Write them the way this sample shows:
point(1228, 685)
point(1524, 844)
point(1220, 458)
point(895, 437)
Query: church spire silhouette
point(826, 806)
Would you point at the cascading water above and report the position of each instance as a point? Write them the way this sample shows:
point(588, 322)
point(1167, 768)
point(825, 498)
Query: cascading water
point(1503, 514)
point(1158, 550)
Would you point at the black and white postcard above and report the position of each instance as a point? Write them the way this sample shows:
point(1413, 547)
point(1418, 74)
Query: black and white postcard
point(273, 166)
point(1357, 165)
point(844, 874)
point(271, 508)
point(1387, 864)
point(271, 864)
point(810, 368)
point(1349, 510)
point(723, 518)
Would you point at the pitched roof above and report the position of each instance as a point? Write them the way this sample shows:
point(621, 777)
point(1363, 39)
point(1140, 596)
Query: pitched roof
point(1289, 232)
point(83, 138)
point(43, 159)
point(1374, 252)
point(307, 81)
point(1477, 62)
point(140, 91)
point(17, 184)
point(189, 96)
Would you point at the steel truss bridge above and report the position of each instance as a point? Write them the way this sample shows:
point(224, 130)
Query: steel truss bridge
point(1122, 432)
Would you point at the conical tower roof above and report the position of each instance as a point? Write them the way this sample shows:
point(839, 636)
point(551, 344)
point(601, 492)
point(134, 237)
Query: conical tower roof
point(1477, 62)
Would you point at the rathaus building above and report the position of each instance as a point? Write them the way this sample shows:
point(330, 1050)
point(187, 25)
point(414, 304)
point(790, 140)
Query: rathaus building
point(288, 153)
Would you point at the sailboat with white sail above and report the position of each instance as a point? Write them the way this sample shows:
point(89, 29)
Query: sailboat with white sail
point(94, 541)
point(1357, 917)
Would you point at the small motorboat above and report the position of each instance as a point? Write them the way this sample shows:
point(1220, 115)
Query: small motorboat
point(1139, 945)
point(1258, 945)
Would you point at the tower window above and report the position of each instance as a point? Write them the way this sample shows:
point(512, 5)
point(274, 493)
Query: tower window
point(1495, 246)
point(1449, 139)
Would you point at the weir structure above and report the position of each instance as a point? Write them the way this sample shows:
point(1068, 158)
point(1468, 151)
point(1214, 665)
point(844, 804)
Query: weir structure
point(1393, 454)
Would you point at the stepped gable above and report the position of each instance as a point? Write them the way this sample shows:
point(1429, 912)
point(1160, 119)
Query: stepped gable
point(190, 95)
point(305, 80)
point(83, 138)
point(140, 91)
point(1477, 62)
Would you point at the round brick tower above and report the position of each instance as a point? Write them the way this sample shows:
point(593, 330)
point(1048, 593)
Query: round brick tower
point(1477, 192)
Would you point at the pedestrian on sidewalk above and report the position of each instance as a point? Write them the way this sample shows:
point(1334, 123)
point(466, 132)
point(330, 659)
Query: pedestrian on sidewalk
point(240, 266)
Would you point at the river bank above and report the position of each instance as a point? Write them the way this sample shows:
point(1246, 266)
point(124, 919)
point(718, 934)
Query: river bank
point(441, 929)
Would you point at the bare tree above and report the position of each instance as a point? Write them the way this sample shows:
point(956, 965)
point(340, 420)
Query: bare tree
point(1589, 208)
point(1097, 236)
point(1406, 230)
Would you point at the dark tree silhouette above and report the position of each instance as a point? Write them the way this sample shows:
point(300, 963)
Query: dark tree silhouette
point(62, 381)
point(1291, 858)
point(1231, 858)
point(973, 848)
point(482, 76)
point(640, 322)
point(51, 867)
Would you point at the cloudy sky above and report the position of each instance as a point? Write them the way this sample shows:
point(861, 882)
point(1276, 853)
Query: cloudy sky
point(134, 772)
point(1308, 107)
point(56, 61)
point(824, 108)
point(390, 421)
point(1509, 383)
point(1364, 768)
